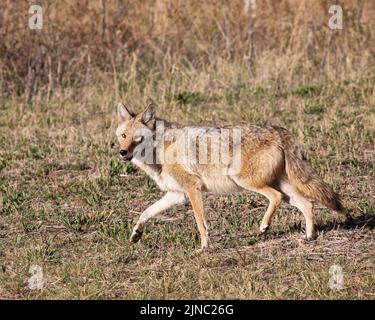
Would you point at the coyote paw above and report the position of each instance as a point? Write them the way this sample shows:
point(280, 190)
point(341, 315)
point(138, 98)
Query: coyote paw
point(136, 235)
point(311, 238)
point(263, 229)
point(204, 247)
point(202, 250)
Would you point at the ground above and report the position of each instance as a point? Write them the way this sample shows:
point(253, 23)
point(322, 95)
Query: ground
point(68, 203)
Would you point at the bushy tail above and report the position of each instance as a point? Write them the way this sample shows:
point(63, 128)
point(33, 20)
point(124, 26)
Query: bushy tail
point(306, 180)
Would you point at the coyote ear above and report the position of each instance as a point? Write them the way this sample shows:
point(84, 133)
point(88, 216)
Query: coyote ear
point(123, 113)
point(148, 116)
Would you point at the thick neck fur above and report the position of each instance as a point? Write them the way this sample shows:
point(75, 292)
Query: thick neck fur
point(153, 169)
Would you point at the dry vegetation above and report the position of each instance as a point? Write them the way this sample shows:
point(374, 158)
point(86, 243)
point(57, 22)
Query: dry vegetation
point(67, 202)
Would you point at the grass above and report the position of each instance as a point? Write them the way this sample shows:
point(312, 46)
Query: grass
point(68, 203)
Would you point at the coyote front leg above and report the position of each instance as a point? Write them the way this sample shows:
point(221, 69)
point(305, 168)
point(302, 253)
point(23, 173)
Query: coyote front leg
point(169, 200)
point(195, 197)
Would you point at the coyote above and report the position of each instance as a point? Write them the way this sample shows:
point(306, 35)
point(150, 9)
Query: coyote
point(269, 162)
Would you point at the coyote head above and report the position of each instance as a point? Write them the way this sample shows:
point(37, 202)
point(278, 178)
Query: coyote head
point(133, 129)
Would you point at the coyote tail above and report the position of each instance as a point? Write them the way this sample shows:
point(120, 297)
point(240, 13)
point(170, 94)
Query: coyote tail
point(306, 180)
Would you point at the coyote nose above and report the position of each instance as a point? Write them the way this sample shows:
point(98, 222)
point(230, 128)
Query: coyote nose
point(124, 153)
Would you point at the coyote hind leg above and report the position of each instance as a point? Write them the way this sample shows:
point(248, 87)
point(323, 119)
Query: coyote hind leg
point(305, 206)
point(195, 197)
point(274, 196)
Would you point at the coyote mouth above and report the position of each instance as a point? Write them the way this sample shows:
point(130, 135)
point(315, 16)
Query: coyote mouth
point(127, 158)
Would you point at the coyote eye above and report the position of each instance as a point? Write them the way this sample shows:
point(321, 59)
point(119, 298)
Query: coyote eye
point(123, 135)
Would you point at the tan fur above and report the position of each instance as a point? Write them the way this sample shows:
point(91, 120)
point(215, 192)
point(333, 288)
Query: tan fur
point(271, 164)
point(305, 179)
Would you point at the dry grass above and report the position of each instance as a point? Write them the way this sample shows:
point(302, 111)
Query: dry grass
point(67, 203)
